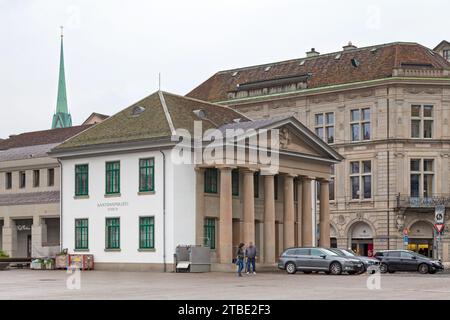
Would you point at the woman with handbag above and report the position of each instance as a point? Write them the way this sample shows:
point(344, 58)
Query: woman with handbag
point(240, 259)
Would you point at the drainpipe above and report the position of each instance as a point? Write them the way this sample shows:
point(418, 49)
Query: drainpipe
point(388, 174)
point(164, 209)
point(60, 205)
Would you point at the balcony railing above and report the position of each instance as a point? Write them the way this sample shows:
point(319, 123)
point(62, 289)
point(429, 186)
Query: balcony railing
point(423, 202)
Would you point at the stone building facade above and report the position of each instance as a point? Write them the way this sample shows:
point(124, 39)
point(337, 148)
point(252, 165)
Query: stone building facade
point(29, 193)
point(386, 109)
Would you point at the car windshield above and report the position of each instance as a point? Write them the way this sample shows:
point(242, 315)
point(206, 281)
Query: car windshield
point(349, 253)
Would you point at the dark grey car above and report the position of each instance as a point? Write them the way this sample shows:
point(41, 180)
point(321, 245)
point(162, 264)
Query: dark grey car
point(317, 259)
point(368, 262)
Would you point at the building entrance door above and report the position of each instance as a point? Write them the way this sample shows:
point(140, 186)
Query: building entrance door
point(363, 247)
point(421, 246)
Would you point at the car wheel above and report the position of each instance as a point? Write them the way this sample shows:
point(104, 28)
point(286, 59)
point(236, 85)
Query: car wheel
point(335, 268)
point(423, 268)
point(432, 271)
point(291, 268)
point(384, 268)
point(327, 272)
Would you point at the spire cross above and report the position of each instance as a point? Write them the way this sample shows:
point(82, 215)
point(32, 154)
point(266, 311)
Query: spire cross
point(62, 31)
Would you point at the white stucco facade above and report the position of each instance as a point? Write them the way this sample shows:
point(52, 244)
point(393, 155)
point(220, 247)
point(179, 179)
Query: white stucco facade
point(129, 205)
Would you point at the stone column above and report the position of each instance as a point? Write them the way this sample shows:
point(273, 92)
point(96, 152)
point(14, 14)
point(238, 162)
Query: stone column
point(299, 212)
point(324, 222)
point(307, 239)
point(9, 235)
point(289, 212)
point(249, 207)
point(269, 220)
point(226, 217)
point(199, 205)
point(38, 237)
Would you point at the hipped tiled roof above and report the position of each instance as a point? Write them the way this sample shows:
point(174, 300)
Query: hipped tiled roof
point(376, 62)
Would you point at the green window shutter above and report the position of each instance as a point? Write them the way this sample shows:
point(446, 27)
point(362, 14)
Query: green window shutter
point(81, 234)
point(235, 182)
point(82, 180)
point(146, 175)
point(113, 177)
point(210, 233)
point(146, 233)
point(211, 180)
point(112, 233)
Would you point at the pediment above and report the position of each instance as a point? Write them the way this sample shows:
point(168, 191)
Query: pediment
point(293, 140)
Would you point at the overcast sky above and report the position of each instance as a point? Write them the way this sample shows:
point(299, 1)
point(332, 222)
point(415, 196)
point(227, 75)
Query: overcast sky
point(114, 49)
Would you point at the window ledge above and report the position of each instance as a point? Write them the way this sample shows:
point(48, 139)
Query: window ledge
point(81, 250)
point(146, 193)
point(81, 197)
point(147, 250)
point(112, 250)
point(113, 195)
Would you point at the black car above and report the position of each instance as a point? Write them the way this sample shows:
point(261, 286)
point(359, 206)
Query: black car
point(368, 262)
point(405, 260)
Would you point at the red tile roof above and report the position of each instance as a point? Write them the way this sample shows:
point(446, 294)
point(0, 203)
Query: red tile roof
point(375, 62)
point(41, 137)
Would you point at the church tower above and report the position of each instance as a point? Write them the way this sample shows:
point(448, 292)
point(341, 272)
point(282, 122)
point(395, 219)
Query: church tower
point(62, 118)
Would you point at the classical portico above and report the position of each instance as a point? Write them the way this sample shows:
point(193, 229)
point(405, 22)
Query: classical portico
point(274, 209)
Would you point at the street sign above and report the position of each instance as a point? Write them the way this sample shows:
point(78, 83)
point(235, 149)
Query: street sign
point(405, 240)
point(439, 227)
point(439, 214)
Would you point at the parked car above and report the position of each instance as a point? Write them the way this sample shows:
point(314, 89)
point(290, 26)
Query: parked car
point(367, 261)
point(317, 259)
point(405, 260)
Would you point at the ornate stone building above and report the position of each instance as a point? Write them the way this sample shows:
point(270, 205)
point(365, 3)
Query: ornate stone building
point(386, 109)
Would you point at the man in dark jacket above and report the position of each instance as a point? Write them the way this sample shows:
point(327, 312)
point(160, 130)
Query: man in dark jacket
point(251, 253)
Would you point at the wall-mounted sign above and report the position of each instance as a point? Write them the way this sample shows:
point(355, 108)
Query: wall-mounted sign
point(439, 214)
point(112, 206)
point(23, 227)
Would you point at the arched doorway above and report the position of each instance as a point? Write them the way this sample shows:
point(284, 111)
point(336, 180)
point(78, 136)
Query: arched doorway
point(333, 237)
point(421, 235)
point(361, 239)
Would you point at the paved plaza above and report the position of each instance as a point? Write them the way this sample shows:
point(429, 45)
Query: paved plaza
point(28, 284)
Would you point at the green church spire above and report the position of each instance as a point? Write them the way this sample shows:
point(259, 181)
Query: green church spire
point(62, 118)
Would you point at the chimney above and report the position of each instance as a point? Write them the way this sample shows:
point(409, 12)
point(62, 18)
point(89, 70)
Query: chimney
point(312, 53)
point(350, 46)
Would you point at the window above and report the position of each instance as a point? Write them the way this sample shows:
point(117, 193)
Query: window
point(256, 184)
point(113, 177)
point(316, 252)
point(361, 179)
point(81, 234)
point(360, 124)
point(422, 121)
point(421, 178)
point(302, 252)
point(210, 233)
point(8, 180)
point(22, 179)
point(211, 180)
point(146, 233)
point(51, 177)
point(446, 54)
point(146, 175)
point(235, 182)
point(112, 233)
point(36, 178)
point(82, 180)
point(324, 126)
point(275, 187)
point(333, 173)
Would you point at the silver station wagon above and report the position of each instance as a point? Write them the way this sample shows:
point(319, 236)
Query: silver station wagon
point(311, 260)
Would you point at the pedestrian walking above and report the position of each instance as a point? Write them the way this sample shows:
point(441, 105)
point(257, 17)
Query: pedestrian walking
point(240, 259)
point(251, 253)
